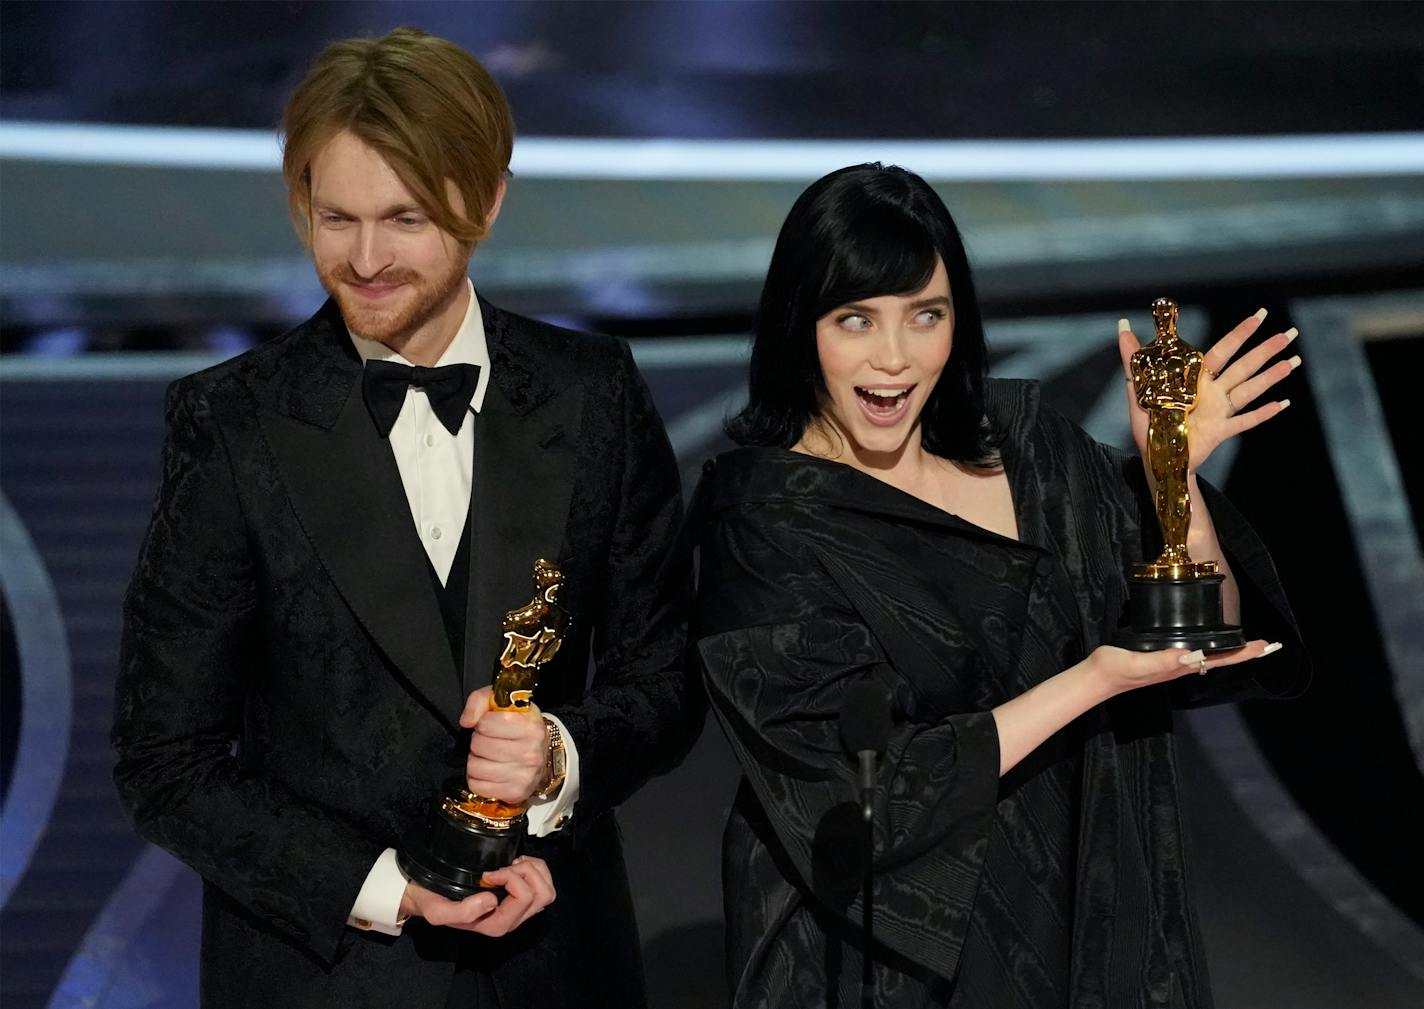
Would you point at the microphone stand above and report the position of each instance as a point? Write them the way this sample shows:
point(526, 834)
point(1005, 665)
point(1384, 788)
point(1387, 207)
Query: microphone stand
point(866, 723)
point(867, 816)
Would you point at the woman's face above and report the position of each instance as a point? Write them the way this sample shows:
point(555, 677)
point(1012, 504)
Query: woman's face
point(881, 358)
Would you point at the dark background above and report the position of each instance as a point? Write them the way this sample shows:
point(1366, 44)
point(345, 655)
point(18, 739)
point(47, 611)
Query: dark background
point(121, 271)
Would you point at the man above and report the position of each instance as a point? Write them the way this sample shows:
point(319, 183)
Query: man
point(315, 615)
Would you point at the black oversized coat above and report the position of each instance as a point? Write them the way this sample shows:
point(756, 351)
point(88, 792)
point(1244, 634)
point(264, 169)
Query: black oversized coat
point(287, 699)
point(1064, 884)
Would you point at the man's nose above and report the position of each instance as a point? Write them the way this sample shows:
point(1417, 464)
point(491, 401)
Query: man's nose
point(370, 253)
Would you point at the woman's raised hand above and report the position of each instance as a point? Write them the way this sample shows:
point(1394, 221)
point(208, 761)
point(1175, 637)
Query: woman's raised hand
point(1227, 388)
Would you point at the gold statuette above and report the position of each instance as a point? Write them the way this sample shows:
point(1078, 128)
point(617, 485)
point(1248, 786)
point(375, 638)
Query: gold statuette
point(1174, 601)
point(1165, 374)
point(533, 635)
point(465, 835)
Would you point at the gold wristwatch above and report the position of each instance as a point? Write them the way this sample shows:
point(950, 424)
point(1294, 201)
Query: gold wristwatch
point(558, 765)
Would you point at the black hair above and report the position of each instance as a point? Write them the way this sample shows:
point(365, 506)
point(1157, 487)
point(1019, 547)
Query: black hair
point(862, 232)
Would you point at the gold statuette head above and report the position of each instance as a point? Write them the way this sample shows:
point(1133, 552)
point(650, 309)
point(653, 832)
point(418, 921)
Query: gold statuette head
point(1164, 319)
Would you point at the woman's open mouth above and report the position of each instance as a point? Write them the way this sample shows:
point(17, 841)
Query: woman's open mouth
point(884, 405)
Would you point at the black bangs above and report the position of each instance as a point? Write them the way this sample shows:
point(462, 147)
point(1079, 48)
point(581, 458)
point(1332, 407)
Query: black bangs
point(862, 232)
point(884, 251)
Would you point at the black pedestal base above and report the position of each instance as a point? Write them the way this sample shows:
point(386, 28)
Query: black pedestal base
point(449, 855)
point(1169, 613)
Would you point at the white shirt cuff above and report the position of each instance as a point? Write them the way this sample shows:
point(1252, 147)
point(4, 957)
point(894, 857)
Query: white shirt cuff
point(378, 904)
point(549, 815)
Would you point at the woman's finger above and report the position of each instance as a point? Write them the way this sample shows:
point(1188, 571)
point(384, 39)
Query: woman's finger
point(1219, 356)
point(1255, 359)
point(1253, 650)
point(1127, 345)
point(1253, 418)
point(1243, 394)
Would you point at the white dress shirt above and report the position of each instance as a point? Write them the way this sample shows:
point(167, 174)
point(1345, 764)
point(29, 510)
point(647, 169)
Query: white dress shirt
point(435, 469)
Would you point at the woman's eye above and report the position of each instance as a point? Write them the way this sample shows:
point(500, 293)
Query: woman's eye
point(930, 317)
point(853, 322)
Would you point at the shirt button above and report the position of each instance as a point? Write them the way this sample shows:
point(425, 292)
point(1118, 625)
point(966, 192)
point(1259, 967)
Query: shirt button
point(430, 441)
point(435, 532)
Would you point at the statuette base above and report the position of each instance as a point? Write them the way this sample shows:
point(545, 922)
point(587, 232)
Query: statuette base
point(449, 853)
point(1176, 613)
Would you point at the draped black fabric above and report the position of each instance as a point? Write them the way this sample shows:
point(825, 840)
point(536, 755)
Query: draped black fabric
point(1064, 884)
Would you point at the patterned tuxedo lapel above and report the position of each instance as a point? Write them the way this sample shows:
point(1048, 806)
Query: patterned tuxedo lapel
point(525, 464)
point(346, 491)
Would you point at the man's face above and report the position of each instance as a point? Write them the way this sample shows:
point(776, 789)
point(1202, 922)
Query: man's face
point(392, 271)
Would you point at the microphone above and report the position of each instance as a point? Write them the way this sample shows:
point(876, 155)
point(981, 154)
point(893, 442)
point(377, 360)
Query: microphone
point(865, 731)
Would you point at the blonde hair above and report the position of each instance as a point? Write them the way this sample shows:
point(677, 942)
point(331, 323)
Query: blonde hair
point(425, 104)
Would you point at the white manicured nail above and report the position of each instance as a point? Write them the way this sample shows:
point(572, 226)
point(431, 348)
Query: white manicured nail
point(1260, 315)
point(1274, 646)
point(1192, 658)
point(1294, 362)
point(1291, 333)
point(1123, 326)
point(1285, 403)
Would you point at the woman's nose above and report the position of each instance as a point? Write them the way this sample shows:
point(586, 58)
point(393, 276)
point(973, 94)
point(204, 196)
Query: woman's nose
point(888, 354)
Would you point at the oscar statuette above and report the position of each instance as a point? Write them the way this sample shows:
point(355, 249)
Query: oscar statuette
point(1174, 601)
point(465, 835)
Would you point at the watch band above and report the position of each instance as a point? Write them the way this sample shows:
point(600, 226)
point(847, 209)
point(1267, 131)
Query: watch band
point(558, 767)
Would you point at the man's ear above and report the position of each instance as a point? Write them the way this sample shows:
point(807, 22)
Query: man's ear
point(494, 207)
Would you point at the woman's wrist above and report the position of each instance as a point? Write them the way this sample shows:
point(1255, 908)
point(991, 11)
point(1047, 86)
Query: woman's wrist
point(1091, 681)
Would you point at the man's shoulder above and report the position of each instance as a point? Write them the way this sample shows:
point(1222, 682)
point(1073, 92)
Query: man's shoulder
point(236, 379)
point(563, 349)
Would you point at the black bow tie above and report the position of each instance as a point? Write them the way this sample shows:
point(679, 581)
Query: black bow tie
point(449, 389)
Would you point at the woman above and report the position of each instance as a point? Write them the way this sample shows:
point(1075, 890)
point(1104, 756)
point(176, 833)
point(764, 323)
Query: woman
point(895, 517)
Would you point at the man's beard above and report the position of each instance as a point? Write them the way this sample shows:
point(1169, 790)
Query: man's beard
point(390, 325)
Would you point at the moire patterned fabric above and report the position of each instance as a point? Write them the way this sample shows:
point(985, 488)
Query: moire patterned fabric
point(1065, 884)
point(287, 695)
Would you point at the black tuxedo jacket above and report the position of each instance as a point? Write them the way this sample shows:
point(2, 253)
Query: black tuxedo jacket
point(287, 699)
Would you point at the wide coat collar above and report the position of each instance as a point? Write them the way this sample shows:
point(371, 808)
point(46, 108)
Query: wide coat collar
point(346, 491)
point(751, 475)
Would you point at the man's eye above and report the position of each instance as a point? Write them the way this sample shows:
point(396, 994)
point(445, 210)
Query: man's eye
point(409, 222)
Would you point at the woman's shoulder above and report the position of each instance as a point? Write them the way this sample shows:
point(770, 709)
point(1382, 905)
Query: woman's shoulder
point(762, 475)
point(1021, 415)
point(1018, 412)
point(767, 495)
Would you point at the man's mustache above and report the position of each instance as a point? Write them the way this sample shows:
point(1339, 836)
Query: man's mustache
point(346, 275)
